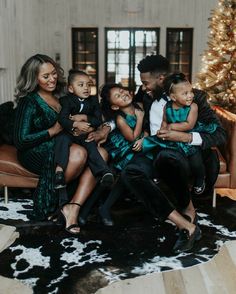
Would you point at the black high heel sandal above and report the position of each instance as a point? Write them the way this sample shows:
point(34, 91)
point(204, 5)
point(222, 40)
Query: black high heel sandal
point(69, 228)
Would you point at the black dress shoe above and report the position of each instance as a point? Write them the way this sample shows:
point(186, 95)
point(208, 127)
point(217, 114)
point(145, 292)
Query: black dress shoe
point(107, 180)
point(198, 190)
point(59, 180)
point(105, 217)
point(185, 242)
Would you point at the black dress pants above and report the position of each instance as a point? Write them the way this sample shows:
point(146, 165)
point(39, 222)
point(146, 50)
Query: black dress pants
point(173, 168)
point(138, 177)
point(95, 161)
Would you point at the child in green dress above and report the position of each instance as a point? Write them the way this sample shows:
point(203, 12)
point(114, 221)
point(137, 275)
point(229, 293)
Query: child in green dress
point(117, 105)
point(181, 114)
point(122, 143)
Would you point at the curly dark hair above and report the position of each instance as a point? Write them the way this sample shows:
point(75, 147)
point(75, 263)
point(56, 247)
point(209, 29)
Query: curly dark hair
point(154, 64)
point(171, 80)
point(105, 92)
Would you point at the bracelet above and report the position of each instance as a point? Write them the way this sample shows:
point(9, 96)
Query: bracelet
point(190, 138)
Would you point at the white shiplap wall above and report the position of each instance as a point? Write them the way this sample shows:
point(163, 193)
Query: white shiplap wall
point(31, 26)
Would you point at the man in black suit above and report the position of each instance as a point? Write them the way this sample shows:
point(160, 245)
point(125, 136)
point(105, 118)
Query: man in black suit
point(171, 166)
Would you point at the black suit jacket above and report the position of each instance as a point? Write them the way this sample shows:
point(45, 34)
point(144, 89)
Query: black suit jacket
point(71, 105)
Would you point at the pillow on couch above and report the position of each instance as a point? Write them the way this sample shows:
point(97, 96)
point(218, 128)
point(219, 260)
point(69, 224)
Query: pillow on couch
point(7, 120)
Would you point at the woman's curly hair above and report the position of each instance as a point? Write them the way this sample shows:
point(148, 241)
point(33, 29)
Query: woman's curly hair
point(27, 81)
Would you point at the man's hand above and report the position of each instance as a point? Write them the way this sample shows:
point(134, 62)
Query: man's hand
point(139, 113)
point(174, 136)
point(138, 145)
point(100, 135)
point(79, 117)
point(81, 126)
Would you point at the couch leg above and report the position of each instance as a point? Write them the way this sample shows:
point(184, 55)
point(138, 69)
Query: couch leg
point(5, 194)
point(214, 198)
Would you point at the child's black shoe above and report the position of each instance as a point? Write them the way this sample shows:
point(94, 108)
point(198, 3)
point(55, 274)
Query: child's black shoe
point(198, 190)
point(59, 180)
point(107, 179)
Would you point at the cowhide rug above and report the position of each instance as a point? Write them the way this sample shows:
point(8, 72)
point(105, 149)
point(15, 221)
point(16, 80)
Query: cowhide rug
point(49, 260)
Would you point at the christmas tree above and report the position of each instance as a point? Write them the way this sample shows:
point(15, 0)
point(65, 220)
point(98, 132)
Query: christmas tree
point(218, 73)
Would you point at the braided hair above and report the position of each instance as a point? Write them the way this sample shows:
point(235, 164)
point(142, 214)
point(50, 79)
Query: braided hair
point(171, 80)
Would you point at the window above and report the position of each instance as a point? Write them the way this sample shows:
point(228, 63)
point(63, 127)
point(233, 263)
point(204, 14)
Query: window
point(179, 45)
point(124, 49)
point(85, 53)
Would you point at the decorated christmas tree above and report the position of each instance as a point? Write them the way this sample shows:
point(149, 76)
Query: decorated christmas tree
point(218, 73)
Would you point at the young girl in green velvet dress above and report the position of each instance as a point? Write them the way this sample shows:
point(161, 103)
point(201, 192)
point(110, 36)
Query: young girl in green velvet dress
point(117, 105)
point(124, 141)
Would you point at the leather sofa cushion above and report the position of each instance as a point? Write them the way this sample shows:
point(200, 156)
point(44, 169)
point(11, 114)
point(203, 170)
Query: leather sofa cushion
point(9, 163)
point(223, 165)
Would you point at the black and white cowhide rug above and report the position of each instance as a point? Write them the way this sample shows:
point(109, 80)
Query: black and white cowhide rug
point(49, 260)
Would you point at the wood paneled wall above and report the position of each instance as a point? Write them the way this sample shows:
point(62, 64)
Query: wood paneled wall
point(44, 26)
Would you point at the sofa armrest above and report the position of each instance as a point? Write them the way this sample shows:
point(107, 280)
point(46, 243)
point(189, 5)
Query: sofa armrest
point(228, 121)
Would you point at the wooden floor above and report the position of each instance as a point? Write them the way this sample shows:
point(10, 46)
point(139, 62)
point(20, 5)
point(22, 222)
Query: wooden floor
point(8, 235)
point(217, 276)
point(231, 193)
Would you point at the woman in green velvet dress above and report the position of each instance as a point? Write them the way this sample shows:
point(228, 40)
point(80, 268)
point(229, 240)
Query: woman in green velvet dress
point(39, 85)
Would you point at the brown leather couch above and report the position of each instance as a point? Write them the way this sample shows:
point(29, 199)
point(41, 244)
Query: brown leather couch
point(12, 174)
point(227, 153)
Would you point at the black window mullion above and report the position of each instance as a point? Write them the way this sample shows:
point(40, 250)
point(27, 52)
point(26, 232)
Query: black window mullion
point(85, 52)
point(138, 48)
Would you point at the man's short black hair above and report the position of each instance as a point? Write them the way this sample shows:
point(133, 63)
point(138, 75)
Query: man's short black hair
point(154, 63)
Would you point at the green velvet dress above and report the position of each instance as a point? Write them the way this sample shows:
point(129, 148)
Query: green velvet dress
point(36, 150)
point(118, 147)
point(177, 116)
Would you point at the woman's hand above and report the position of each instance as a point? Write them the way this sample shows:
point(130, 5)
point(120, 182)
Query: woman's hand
point(55, 129)
point(138, 145)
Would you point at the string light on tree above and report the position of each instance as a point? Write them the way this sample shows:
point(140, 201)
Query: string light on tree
point(218, 74)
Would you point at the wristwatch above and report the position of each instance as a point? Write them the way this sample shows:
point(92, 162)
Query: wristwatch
point(106, 124)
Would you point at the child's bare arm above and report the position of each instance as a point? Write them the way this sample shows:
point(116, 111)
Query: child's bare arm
point(126, 131)
point(189, 124)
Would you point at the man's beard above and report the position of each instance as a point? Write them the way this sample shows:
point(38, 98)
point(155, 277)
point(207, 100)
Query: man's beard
point(157, 93)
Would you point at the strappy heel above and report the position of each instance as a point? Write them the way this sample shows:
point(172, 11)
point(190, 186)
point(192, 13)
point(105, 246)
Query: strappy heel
point(69, 228)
